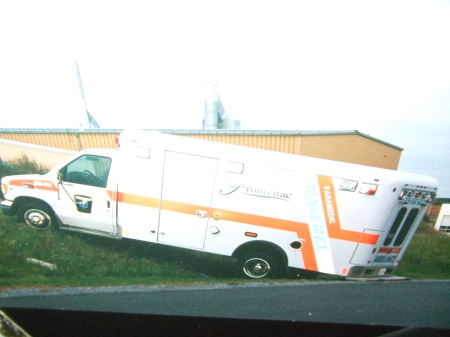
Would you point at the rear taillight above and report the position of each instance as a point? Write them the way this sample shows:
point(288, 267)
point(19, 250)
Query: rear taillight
point(369, 189)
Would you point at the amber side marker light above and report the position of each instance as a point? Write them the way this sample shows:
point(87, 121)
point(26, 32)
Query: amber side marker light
point(252, 235)
point(4, 189)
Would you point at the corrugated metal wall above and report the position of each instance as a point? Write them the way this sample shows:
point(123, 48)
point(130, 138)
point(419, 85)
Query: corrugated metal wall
point(347, 147)
point(74, 141)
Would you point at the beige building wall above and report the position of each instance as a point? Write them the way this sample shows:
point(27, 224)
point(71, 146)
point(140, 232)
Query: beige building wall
point(74, 141)
point(46, 156)
point(354, 149)
point(351, 147)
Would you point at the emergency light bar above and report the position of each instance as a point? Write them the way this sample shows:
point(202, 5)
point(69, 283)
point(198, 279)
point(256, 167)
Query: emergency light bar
point(408, 195)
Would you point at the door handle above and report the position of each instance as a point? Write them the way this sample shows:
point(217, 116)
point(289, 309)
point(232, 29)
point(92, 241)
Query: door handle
point(202, 214)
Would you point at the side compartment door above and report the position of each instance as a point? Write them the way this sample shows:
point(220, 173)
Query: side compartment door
point(187, 188)
point(83, 200)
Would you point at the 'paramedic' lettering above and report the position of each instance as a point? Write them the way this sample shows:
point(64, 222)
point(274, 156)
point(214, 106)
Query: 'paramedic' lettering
point(257, 192)
point(328, 198)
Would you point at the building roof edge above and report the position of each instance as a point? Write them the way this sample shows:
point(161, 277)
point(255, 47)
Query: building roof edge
point(211, 132)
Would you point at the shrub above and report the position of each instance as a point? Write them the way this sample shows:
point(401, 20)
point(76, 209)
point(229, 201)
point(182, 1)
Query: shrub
point(6, 169)
point(21, 165)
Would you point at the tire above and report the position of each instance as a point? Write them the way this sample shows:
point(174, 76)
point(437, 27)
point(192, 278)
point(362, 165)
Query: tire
point(256, 265)
point(37, 215)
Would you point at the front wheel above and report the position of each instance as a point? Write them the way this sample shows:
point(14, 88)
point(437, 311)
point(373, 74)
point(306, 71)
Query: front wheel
point(37, 215)
point(259, 265)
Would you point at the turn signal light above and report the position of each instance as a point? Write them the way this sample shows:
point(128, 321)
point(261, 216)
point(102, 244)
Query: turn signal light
point(4, 189)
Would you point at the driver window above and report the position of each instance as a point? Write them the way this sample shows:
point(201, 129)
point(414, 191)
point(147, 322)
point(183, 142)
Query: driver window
point(87, 170)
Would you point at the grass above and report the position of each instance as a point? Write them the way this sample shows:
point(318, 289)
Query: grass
point(86, 260)
point(427, 255)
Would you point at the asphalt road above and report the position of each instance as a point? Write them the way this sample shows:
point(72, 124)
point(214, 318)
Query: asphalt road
point(401, 303)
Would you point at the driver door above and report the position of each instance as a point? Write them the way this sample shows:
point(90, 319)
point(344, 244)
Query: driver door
point(83, 201)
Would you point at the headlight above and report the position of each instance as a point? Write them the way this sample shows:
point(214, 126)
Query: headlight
point(4, 189)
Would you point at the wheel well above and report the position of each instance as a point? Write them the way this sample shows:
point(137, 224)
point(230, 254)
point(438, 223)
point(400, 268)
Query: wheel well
point(261, 246)
point(22, 200)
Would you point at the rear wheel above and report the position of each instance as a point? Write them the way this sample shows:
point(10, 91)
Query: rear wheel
point(257, 265)
point(37, 215)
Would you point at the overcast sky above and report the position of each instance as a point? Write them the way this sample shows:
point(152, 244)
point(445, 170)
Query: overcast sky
point(380, 67)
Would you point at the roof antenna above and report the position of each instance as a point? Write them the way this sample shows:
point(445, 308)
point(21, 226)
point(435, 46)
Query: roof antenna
point(90, 119)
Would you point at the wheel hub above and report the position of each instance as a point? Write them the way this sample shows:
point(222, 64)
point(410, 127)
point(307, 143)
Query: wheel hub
point(256, 268)
point(37, 219)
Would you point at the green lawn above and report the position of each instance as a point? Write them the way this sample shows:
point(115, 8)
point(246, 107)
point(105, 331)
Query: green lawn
point(86, 260)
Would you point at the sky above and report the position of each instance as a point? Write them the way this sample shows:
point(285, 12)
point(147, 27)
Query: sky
point(379, 67)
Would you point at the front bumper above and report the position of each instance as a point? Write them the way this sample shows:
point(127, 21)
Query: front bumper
point(6, 207)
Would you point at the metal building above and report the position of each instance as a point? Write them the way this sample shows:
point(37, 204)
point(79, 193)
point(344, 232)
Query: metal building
point(347, 146)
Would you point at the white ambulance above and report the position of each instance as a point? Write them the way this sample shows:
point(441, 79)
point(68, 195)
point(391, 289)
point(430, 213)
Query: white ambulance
point(271, 211)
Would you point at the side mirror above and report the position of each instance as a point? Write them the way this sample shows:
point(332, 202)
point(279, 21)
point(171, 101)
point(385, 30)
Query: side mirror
point(59, 177)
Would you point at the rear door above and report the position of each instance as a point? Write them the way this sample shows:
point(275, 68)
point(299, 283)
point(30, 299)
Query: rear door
point(398, 236)
point(187, 189)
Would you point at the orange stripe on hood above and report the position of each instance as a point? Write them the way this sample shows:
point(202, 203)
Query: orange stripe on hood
point(35, 183)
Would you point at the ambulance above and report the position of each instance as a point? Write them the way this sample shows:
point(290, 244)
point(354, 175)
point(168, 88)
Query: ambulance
point(272, 212)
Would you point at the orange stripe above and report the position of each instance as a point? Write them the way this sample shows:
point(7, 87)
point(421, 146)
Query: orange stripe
point(137, 200)
point(331, 214)
point(38, 184)
point(301, 229)
point(342, 234)
point(180, 207)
